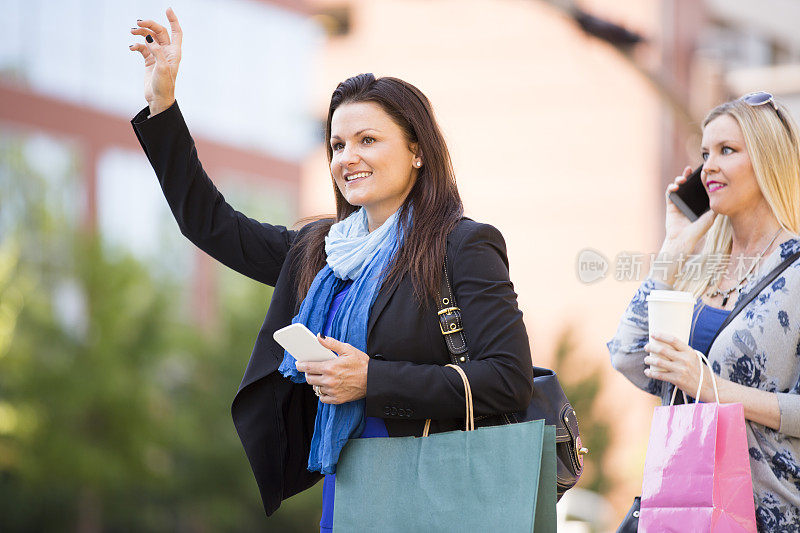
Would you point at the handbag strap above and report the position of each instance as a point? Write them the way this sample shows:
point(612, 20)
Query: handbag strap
point(450, 322)
point(469, 419)
point(748, 297)
point(452, 328)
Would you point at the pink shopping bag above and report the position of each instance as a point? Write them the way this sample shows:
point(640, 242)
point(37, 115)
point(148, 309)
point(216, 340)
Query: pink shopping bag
point(697, 470)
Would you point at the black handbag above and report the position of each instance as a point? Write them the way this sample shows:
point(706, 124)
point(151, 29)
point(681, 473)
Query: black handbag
point(631, 521)
point(549, 401)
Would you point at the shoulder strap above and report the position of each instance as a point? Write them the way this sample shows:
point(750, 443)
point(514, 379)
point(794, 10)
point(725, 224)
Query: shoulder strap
point(450, 322)
point(748, 297)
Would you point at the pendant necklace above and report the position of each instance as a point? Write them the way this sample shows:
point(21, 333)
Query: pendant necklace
point(726, 294)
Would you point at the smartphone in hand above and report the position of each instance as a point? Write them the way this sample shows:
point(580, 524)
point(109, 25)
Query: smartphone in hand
point(302, 344)
point(691, 197)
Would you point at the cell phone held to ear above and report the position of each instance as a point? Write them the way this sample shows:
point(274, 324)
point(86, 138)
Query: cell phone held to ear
point(691, 197)
point(303, 345)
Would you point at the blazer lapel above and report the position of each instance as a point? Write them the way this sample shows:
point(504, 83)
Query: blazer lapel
point(384, 295)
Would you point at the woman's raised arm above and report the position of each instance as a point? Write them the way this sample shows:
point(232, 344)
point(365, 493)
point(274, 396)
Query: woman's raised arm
point(255, 249)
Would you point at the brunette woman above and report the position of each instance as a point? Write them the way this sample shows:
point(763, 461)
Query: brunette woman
point(367, 281)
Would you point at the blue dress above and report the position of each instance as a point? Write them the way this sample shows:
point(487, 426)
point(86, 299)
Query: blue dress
point(707, 321)
point(705, 324)
point(374, 427)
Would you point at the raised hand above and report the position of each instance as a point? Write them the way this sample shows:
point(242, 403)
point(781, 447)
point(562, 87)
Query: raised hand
point(162, 55)
point(680, 228)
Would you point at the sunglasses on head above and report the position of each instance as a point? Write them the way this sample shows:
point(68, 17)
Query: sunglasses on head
point(759, 98)
point(762, 97)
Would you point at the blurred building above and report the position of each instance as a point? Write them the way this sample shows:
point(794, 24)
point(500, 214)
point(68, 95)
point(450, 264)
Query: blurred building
point(715, 51)
point(562, 140)
point(69, 86)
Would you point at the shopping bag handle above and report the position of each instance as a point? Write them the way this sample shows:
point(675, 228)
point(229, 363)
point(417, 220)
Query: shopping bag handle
point(703, 364)
point(469, 419)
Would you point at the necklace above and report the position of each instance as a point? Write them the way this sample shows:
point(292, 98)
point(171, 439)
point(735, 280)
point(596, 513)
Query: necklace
point(726, 294)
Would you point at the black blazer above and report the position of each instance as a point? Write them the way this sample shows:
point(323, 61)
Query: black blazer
point(406, 380)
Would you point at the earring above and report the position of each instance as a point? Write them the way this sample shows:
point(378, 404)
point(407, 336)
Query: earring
point(419, 164)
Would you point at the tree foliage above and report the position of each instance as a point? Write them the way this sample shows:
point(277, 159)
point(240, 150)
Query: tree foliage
point(114, 407)
point(582, 389)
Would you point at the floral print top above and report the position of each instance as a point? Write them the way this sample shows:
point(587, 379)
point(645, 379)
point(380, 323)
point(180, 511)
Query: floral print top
point(759, 348)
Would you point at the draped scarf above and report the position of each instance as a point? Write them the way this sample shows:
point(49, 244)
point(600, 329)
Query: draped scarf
point(353, 253)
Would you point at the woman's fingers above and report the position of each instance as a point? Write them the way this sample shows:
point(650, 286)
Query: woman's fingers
point(705, 221)
point(144, 32)
point(142, 49)
point(656, 348)
point(160, 33)
point(656, 373)
point(670, 345)
point(311, 367)
point(670, 340)
point(679, 180)
point(665, 351)
point(175, 27)
point(659, 364)
point(335, 345)
point(314, 379)
point(156, 50)
point(150, 47)
point(322, 385)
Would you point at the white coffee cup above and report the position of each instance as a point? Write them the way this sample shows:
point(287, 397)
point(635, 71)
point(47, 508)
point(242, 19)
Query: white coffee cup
point(670, 312)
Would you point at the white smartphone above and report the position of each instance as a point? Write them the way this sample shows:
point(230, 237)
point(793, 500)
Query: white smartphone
point(302, 344)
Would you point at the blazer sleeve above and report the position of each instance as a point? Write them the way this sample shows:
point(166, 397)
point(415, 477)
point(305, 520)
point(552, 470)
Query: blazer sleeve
point(500, 369)
point(249, 247)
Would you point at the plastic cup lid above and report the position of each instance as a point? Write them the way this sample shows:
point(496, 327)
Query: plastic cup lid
point(671, 296)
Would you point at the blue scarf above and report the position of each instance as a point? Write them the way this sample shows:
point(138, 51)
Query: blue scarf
point(353, 253)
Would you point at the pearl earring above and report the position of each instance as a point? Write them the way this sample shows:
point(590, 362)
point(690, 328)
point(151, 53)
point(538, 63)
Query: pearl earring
point(419, 164)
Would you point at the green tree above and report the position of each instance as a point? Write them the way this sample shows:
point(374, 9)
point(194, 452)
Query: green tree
point(582, 389)
point(114, 407)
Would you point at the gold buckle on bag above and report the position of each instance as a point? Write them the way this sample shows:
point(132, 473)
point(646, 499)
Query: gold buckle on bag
point(453, 326)
point(453, 329)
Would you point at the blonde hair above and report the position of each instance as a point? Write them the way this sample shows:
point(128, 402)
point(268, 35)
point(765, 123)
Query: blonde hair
point(772, 143)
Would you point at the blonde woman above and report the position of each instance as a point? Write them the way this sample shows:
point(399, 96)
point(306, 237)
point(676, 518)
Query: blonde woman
point(751, 172)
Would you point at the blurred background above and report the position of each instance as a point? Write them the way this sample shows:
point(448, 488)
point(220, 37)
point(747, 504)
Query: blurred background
point(121, 345)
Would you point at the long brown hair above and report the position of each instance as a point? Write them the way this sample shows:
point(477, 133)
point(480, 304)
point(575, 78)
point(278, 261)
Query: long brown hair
point(437, 206)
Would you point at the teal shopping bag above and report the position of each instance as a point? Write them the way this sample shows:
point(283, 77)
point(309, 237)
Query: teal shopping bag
point(498, 478)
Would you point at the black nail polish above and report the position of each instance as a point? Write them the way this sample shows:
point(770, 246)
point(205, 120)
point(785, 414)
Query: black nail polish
point(322, 336)
point(149, 38)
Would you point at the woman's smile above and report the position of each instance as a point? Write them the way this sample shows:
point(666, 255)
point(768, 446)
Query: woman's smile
point(354, 177)
point(714, 186)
